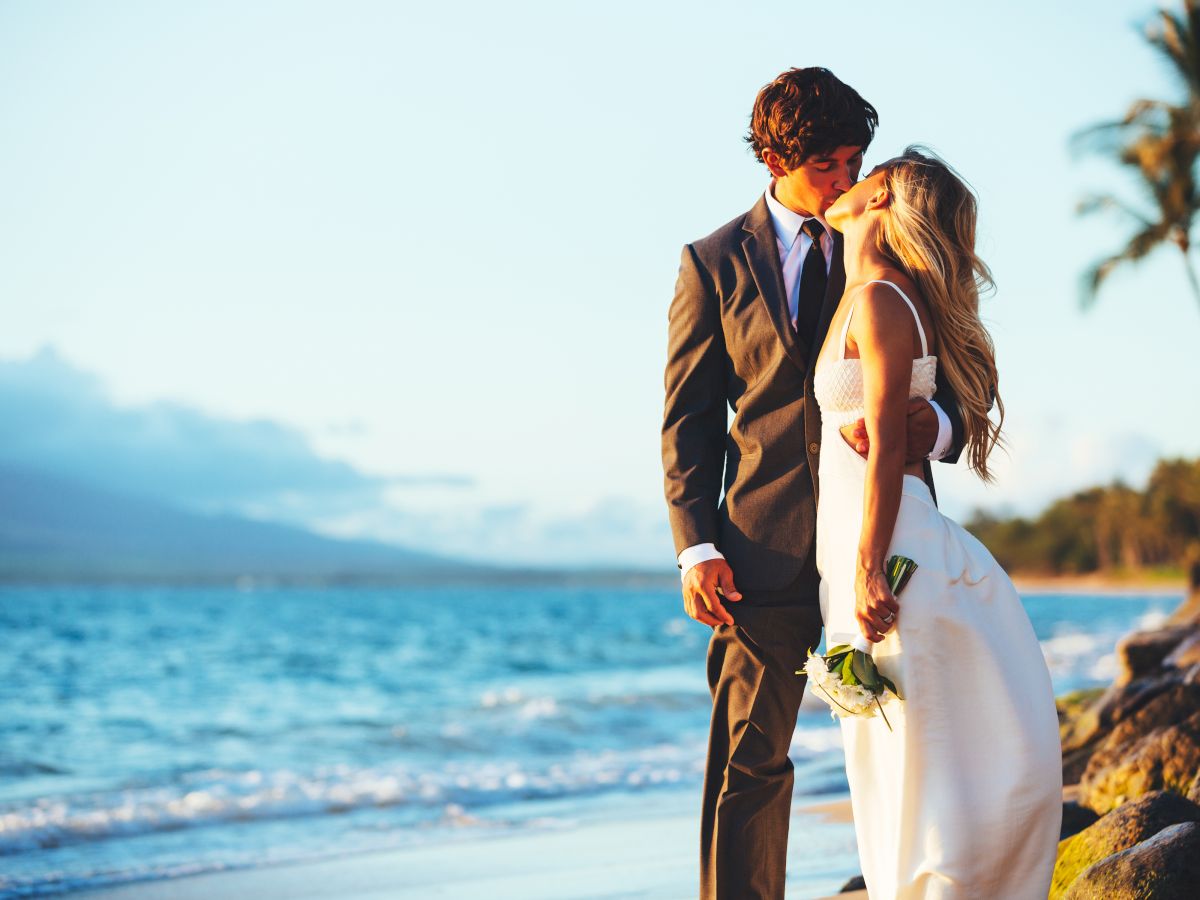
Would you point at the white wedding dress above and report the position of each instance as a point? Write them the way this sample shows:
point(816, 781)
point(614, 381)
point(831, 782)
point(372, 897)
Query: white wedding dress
point(963, 799)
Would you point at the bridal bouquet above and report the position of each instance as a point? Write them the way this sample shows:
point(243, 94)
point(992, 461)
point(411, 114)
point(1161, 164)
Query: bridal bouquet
point(846, 674)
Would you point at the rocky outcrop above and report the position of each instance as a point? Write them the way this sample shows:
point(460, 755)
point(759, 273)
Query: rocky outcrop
point(1133, 750)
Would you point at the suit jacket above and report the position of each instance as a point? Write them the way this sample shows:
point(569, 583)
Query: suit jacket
point(730, 342)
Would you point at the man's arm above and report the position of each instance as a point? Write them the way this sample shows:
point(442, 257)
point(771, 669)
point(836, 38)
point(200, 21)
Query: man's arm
point(945, 398)
point(693, 440)
point(693, 430)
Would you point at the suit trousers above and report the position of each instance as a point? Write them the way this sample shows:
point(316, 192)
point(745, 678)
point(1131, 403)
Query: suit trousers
point(748, 776)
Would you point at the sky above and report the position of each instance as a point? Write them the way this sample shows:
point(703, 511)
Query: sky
point(423, 253)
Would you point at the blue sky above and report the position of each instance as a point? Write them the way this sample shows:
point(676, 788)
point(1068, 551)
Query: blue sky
point(433, 247)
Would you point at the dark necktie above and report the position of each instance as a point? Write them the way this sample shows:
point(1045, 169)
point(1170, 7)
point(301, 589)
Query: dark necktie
point(813, 279)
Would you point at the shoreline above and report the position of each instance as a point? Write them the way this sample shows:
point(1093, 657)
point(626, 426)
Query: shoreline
point(583, 861)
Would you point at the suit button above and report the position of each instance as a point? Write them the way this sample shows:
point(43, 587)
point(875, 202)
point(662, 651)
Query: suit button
point(814, 448)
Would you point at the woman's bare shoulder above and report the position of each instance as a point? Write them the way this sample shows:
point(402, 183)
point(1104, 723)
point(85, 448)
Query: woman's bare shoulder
point(884, 312)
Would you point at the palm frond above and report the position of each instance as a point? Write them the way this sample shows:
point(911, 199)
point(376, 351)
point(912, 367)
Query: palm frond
point(1174, 36)
point(1098, 202)
point(1138, 247)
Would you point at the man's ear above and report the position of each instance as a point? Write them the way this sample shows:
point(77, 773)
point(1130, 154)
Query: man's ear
point(773, 162)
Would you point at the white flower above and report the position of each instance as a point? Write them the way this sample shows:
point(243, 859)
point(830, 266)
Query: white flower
point(815, 667)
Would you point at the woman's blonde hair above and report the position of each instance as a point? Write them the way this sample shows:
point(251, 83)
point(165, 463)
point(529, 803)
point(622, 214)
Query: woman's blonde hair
point(929, 230)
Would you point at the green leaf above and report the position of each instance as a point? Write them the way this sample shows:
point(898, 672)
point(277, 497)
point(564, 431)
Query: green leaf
point(899, 569)
point(890, 685)
point(863, 669)
point(848, 676)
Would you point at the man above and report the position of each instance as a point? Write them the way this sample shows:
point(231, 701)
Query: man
point(751, 308)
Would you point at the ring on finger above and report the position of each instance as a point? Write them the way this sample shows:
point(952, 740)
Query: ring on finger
point(889, 618)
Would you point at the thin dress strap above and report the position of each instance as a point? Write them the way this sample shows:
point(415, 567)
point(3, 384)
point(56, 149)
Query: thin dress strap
point(904, 296)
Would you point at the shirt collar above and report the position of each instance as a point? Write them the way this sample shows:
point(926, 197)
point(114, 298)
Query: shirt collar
point(787, 222)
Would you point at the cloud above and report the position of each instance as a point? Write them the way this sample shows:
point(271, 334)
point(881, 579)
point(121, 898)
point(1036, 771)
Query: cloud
point(60, 419)
point(609, 533)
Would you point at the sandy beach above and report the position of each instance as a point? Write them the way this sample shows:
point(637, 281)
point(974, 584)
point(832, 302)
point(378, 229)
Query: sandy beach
point(654, 857)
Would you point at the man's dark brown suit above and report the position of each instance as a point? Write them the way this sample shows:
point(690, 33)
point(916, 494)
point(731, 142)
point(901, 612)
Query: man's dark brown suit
point(731, 344)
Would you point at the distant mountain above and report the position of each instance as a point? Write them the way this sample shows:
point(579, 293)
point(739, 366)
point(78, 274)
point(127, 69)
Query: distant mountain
point(53, 528)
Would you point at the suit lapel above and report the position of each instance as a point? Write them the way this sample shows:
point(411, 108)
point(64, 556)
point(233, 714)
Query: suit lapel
point(762, 256)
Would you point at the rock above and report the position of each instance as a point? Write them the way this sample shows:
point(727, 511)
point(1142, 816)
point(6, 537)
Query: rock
point(1169, 707)
point(1186, 654)
point(1186, 612)
point(1075, 764)
point(1120, 702)
point(1078, 730)
point(1075, 818)
point(1090, 724)
point(1121, 829)
point(1164, 867)
point(1078, 718)
point(1142, 652)
point(854, 884)
point(1189, 609)
point(1165, 758)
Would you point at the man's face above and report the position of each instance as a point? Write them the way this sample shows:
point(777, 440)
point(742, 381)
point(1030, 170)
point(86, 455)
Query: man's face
point(818, 181)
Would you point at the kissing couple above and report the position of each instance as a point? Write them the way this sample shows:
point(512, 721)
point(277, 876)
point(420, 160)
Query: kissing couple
point(838, 319)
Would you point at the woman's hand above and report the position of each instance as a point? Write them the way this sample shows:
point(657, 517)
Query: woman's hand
point(874, 601)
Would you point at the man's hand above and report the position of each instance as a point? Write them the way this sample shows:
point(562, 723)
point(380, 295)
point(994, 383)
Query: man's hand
point(921, 436)
point(703, 586)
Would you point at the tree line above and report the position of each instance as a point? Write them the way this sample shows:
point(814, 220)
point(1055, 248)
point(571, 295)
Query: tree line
point(1104, 529)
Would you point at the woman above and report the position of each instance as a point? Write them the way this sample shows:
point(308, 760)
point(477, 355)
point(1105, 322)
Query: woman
point(963, 797)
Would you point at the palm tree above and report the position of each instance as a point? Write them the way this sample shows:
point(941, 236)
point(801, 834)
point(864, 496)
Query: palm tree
point(1160, 142)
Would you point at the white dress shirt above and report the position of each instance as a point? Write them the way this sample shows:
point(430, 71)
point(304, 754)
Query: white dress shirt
point(793, 245)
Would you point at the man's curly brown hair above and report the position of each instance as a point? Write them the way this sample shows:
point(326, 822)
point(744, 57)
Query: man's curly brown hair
point(806, 113)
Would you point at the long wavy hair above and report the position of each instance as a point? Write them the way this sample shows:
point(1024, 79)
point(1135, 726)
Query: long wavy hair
point(928, 229)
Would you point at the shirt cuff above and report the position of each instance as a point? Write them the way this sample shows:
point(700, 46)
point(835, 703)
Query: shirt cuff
point(945, 434)
point(697, 553)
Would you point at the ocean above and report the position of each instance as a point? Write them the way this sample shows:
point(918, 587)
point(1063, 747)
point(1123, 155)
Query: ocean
point(148, 732)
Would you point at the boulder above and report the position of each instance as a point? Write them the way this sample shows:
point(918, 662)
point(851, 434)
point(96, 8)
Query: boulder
point(1165, 702)
point(1186, 654)
point(1189, 609)
point(1164, 867)
point(1119, 830)
point(1078, 729)
point(1119, 702)
point(1165, 758)
point(1089, 724)
point(1168, 707)
point(1142, 653)
point(1078, 718)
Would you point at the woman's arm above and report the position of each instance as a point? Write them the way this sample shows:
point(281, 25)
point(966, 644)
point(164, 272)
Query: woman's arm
point(882, 328)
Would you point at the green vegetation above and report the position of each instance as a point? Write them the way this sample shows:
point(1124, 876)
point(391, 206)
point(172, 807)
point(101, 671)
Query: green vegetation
point(1113, 530)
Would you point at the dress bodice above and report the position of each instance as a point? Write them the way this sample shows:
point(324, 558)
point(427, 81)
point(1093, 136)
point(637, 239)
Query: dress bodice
point(838, 384)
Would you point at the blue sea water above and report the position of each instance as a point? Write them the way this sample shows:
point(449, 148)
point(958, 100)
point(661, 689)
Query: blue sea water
point(152, 732)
